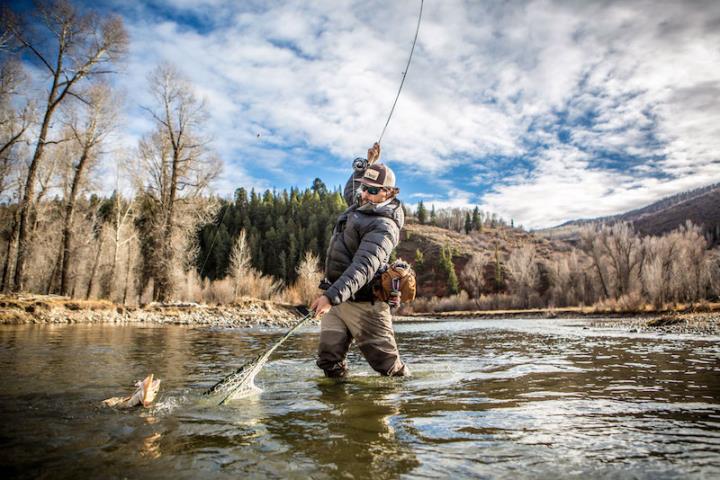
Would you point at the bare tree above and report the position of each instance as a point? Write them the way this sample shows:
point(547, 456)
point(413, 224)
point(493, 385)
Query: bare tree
point(81, 46)
point(240, 262)
point(624, 249)
point(591, 245)
point(472, 276)
point(657, 273)
point(14, 120)
point(309, 276)
point(122, 233)
point(691, 265)
point(566, 280)
point(88, 128)
point(178, 164)
point(523, 269)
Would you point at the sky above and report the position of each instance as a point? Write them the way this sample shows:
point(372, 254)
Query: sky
point(539, 111)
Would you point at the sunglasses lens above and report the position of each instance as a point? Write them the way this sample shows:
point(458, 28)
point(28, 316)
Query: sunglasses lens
point(371, 190)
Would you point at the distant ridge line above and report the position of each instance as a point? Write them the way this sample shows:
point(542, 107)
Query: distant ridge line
point(700, 205)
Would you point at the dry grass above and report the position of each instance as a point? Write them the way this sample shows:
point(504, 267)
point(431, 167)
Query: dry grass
point(39, 303)
point(14, 317)
point(93, 305)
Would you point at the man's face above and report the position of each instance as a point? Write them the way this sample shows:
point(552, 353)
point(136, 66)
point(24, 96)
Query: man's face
point(366, 195)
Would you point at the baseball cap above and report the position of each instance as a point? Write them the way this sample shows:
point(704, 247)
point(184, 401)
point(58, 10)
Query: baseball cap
point(378, 175)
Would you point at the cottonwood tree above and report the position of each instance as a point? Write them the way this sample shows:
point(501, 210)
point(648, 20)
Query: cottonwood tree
point(692, 263)
point(122, 234)
point(15, 120)
point(523, 270)
point(624, 250)
point(70, 47)
point(16, 117)
point(567, 280)
point(592, 246)
point(472, 276)
point(657, 273)
point(89, 126)
point(178, 166)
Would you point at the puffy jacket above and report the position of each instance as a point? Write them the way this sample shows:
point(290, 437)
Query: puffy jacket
point(362, 241)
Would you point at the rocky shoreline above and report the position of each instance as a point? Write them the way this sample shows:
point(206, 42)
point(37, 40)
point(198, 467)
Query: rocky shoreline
point(706, 323)
point(62, 310)
point(48, 309)
point(697, 323)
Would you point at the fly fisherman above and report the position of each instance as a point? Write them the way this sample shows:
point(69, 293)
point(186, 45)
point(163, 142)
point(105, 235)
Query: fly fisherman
point(363, 238)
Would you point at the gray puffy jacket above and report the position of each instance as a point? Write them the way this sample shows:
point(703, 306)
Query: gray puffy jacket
point(362, 241)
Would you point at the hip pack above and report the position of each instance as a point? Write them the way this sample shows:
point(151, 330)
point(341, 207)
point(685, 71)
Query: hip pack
point(396, 284)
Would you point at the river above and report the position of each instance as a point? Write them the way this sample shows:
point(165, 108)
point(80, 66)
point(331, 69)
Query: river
point(487, 399)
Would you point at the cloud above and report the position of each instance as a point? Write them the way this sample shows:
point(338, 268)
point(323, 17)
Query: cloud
point(541, 110)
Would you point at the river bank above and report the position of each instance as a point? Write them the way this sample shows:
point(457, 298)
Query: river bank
point(699, 320)
point(50, 309)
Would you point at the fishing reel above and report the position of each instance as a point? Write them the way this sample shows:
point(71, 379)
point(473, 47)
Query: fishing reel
point(360, 164)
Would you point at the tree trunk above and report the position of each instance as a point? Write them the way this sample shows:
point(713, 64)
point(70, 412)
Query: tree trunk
point(111, 275)
point(12, 241)
point(67, 232)
point(127, 273)
point(91, 282)
point(164, 288)
point(56, 268)
point(27, 199)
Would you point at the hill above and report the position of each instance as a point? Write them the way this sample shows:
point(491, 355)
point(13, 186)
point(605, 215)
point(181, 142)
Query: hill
point(700, 206)
point(430, 240)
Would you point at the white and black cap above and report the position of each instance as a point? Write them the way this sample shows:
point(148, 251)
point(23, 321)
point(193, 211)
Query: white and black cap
point(378, 175)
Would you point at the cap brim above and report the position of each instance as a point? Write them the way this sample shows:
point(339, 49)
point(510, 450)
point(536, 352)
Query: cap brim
point(371, 183)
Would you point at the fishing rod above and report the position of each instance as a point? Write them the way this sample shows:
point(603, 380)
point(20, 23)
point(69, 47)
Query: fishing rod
point(360, 164)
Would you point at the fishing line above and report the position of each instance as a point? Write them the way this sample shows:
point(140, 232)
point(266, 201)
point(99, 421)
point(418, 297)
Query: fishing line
point(212, 244)
point(392, 110)
point(402, 82)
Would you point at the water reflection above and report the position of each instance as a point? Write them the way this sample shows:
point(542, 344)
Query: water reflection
point(486, 400)
point(352, 432)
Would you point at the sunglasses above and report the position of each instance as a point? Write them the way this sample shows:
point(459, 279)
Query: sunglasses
point(371, 189)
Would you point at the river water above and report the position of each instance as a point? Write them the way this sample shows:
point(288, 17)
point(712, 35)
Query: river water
point(488, 399)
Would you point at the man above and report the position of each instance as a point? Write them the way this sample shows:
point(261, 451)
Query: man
point(363, 238)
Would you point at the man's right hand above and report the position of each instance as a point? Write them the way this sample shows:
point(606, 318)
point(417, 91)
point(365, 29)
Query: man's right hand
point(373, 153)
point(321, 305)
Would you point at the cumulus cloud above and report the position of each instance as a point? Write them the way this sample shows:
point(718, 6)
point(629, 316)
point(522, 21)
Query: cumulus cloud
point(541, 110)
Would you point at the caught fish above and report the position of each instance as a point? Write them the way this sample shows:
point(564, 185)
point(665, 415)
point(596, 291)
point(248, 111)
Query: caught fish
point(241, 382)
point(146, 392)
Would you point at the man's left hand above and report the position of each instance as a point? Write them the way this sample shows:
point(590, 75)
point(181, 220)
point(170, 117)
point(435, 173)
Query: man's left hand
point(321, 305)
point(373, 153)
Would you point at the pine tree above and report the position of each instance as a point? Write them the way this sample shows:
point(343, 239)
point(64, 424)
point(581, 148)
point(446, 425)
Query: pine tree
point(280, 225)
point(476, 221)
point(319, 187)
point(421, 213)
point(419, 260)
point(468, 223)
point(498, 269)
point(448, 266)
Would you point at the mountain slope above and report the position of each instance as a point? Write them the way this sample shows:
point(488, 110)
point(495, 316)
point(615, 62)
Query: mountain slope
point(700, 206)
point(430, 240)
